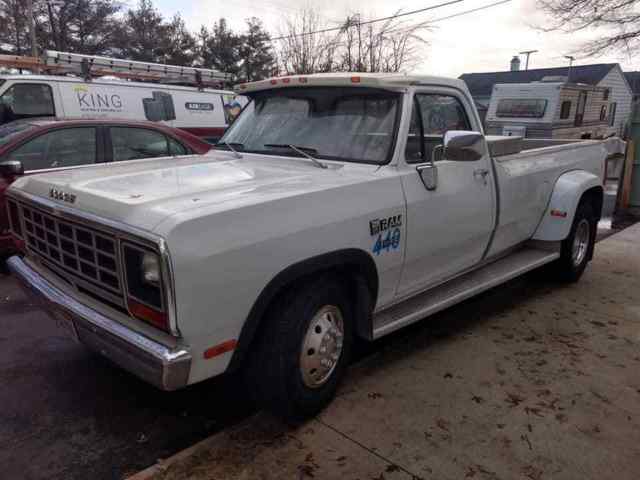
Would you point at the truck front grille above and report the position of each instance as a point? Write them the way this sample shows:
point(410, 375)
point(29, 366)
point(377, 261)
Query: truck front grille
point(89, 257)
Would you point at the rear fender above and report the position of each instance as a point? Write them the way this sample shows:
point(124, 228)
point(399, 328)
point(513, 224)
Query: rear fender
point(567, 193)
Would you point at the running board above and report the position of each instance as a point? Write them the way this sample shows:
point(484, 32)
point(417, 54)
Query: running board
point(459, 289)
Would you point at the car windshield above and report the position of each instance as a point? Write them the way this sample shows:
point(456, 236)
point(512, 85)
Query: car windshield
point(352, 124)
point(11, 130)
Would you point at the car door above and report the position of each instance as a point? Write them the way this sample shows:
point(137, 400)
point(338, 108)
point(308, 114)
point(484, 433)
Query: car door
point(448, 226)
point(58, 149)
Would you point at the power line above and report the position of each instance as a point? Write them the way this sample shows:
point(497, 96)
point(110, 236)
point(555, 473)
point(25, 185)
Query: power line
point(473, 10)
point(459, 14)
point(376, 20)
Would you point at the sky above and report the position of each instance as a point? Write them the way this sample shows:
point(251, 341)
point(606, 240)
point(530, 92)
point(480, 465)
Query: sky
point(483, 41)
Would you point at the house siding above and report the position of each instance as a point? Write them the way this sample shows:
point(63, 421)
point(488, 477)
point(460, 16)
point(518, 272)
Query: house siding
point(621, 95)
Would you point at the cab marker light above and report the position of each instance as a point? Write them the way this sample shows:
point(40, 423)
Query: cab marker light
point(273, 82)
point(355, 79)
point(286, 80)
point(219, 349)
point(558, 213)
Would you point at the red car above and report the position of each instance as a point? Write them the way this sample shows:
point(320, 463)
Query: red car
point(42, 145)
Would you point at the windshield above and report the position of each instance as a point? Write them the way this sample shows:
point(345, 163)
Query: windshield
point(11, 130)
point(352, 124)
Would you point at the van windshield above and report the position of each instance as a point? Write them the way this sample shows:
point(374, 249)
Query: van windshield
point(351, 124)
point(26, 100)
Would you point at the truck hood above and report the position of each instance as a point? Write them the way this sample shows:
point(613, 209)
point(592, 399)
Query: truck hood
point(143, 193)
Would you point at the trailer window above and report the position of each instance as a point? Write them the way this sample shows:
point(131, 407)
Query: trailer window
point(521, 107)
point(26, 100)
point(565, 109)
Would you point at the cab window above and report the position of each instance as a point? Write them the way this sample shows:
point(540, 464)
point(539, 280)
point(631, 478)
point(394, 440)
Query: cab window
point(25, 100)
point(433, 116)
point(66, 147)
point(135, 143)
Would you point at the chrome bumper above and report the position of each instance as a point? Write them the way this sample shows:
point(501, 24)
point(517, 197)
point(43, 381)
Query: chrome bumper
point(151, 361)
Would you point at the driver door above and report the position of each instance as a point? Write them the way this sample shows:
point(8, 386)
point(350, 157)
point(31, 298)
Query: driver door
point(449, 224)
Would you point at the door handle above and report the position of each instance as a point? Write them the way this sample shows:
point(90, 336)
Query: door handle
point(481, 172)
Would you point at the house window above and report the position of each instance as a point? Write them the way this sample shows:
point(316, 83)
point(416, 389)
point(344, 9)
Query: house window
point(603, 113)
point(605, 95)
point(565, 109)
point(612, 114)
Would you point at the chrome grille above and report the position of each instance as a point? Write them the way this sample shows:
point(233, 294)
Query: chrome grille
point(88, 256)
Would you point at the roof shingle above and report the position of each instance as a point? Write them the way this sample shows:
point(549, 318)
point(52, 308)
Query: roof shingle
point(481, 84)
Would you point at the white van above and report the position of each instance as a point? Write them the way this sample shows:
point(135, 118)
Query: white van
point(551, 108)
point(203, 112)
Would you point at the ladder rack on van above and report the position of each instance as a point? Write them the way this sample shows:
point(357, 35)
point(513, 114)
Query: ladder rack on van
point(89, 66)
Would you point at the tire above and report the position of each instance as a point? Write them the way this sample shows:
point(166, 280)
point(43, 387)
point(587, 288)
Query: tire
point(280, 372)
point(577, 248)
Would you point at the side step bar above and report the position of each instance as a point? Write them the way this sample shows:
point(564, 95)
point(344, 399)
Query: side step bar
point(459, 289)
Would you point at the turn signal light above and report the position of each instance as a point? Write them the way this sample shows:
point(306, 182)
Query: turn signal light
point(148, 314)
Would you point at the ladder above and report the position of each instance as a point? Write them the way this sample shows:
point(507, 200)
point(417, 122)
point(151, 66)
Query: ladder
point(90, 66)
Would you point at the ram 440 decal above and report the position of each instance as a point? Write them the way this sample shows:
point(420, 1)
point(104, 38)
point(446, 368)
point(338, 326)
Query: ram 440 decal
point(390, 240)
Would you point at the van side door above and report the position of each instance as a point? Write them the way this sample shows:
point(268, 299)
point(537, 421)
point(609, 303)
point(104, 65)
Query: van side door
point(449, 223)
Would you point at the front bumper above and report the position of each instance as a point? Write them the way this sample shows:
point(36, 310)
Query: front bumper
point(167, 369)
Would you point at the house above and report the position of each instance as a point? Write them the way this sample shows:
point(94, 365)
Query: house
point(634, 81)
point(607, 75)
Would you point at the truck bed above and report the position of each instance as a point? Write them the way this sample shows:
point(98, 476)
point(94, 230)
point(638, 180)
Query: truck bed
point(502, 146)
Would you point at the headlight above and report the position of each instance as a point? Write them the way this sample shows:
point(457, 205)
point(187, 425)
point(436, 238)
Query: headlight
point(151, 269)
point(143, 272)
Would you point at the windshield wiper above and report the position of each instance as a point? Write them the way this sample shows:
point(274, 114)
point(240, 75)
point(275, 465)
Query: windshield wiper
point(301, 150)
point(230, 147)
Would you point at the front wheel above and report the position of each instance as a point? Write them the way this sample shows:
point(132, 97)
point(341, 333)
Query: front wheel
point(303, 350)
point(577, 248)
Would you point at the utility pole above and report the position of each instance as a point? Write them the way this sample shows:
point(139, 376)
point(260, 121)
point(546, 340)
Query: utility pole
point(571, 59)
point(527, 53)
point(32, 29)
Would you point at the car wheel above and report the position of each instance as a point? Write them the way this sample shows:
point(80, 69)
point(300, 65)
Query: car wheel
point(577, 248)
point(303, 350)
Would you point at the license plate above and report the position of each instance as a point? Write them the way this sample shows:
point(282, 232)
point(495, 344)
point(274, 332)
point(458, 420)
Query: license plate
point(65, 322)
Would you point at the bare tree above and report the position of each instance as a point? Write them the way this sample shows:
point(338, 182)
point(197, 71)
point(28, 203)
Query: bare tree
point(357, 45)
point(300, 50)
point(616, 21)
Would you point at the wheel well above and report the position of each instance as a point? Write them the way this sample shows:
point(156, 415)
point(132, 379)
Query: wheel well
point(595, 196)
point(354, 265)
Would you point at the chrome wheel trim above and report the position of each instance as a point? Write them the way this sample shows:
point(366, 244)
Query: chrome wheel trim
point(581, 241)
point(322, 346)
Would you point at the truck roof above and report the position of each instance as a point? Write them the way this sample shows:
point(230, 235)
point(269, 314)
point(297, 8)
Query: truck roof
point(102, 81)
point(350, 79)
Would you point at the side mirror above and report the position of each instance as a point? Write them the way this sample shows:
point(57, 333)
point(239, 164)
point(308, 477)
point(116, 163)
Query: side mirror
point(11, 168)
point(464, 146)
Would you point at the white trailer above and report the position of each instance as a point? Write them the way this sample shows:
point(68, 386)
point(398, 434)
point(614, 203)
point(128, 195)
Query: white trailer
point(550, 109)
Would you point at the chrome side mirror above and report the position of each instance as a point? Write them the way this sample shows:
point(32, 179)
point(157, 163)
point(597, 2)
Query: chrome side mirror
point(11, 168)
point(429, 172)
point(464, 146)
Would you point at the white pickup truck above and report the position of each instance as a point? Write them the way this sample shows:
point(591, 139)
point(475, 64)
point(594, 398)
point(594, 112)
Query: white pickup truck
point(336, 206)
